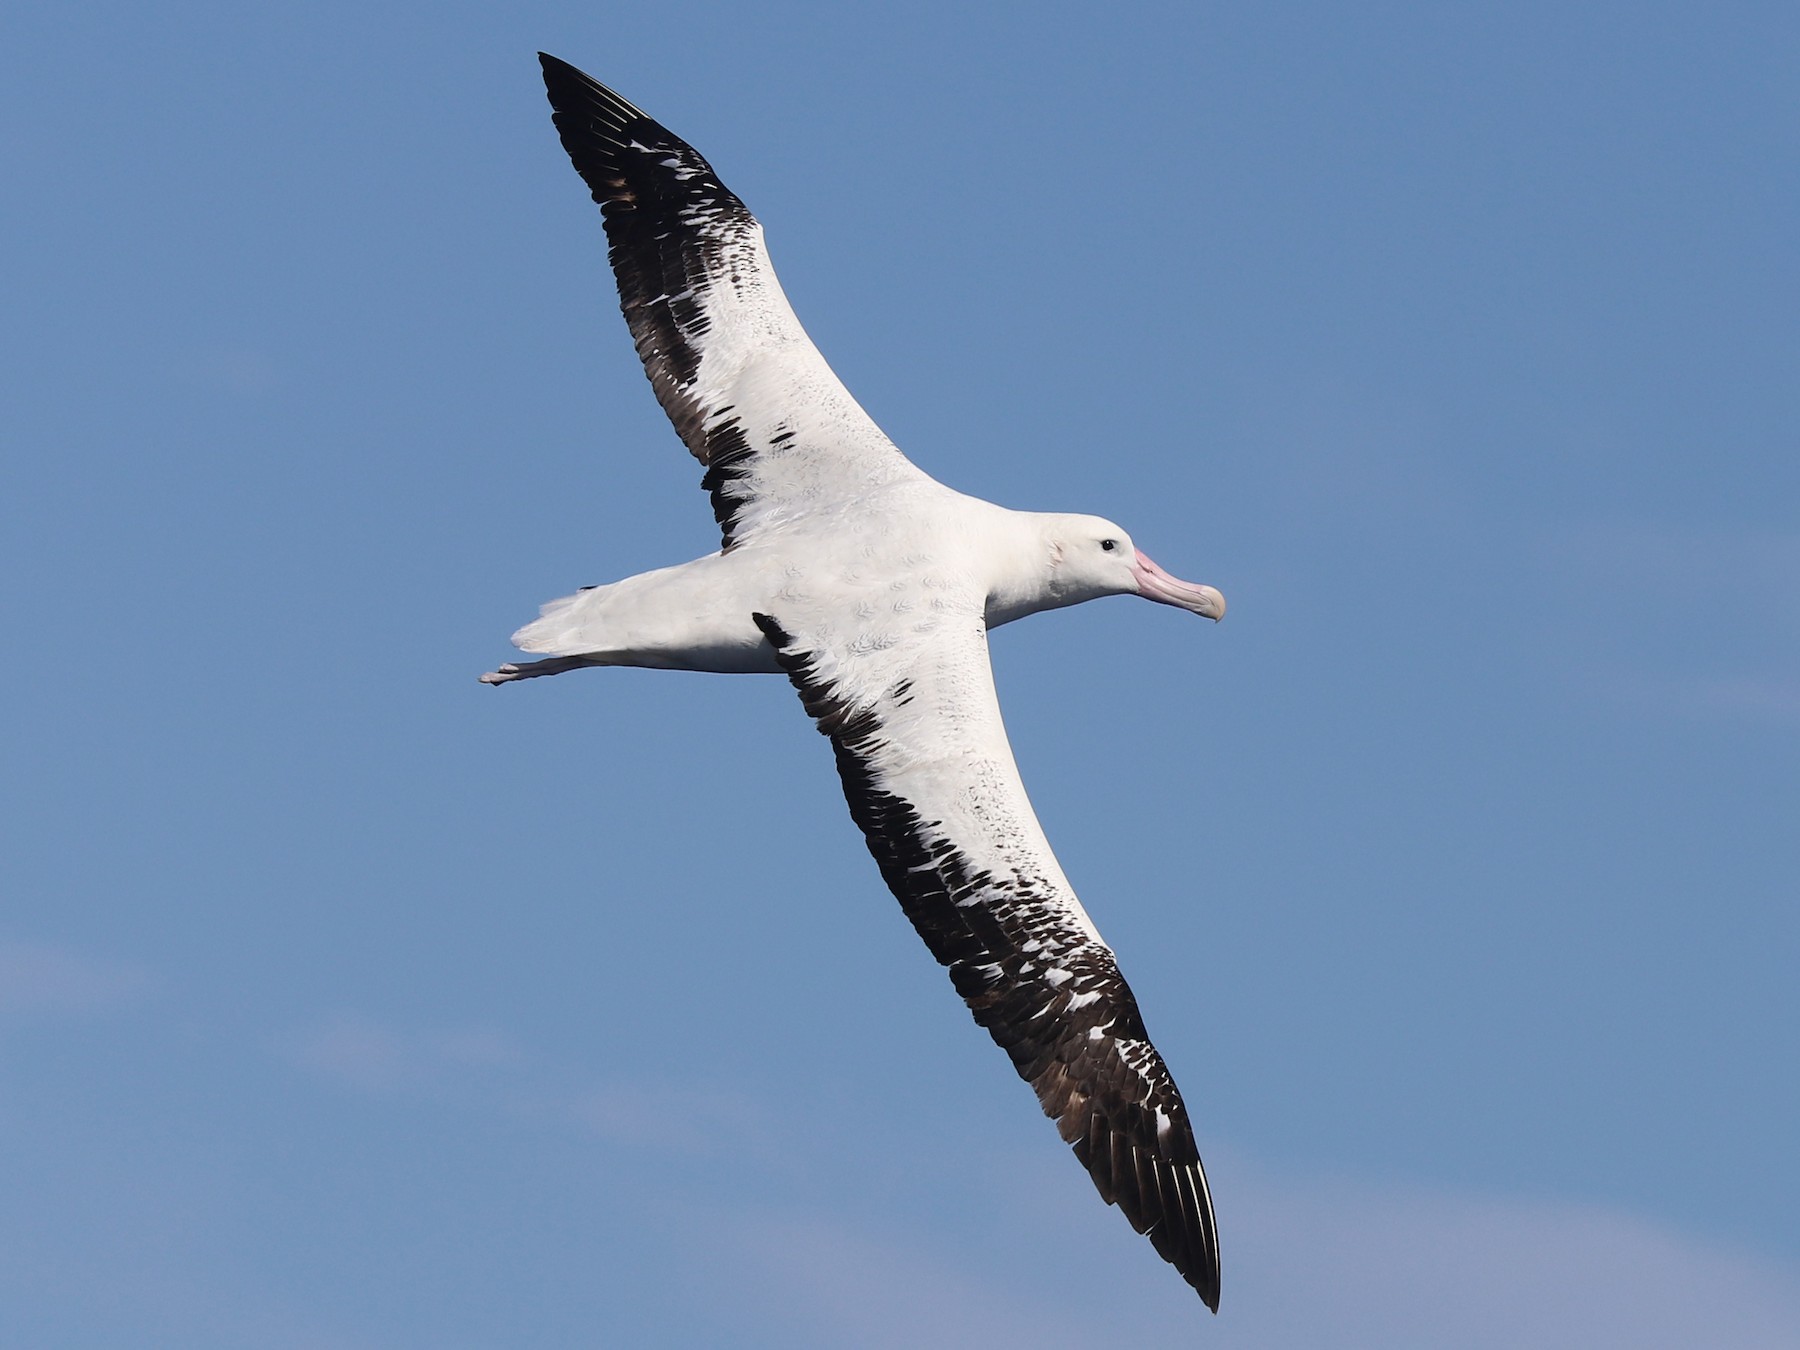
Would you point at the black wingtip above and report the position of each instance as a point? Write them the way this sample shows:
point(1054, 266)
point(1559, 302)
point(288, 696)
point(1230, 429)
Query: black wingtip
point(559, 74)
point(557, 70)
point(572, 90)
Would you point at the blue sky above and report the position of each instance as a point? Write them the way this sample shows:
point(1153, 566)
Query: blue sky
point(348, 1004)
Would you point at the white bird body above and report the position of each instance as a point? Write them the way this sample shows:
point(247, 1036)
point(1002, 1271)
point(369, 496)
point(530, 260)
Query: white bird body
point(892, 564)
point(872, 587)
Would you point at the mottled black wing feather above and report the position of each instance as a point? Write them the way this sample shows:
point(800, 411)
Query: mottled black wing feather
point(1046, 990)
point(731, 364)
point(672, 227)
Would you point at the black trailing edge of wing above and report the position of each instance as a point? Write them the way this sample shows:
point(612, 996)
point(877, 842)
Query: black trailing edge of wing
point(1086, 1062)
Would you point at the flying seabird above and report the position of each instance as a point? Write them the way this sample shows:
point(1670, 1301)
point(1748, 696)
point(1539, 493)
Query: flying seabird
point(872, 587)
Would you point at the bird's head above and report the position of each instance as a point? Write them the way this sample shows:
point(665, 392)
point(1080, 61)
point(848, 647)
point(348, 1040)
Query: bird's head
point(1091, 557)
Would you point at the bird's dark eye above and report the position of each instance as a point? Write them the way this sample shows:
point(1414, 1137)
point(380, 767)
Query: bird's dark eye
point(1108, 545)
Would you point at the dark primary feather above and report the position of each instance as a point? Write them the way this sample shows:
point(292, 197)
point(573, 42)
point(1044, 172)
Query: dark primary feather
point(1093, 1067)
point(671, 224)
point(682, 244)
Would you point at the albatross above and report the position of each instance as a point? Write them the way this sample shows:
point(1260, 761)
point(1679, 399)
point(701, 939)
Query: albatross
point(872, 587)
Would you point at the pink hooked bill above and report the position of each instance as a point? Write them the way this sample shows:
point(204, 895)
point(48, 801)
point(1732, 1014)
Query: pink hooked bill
point(1156, 584)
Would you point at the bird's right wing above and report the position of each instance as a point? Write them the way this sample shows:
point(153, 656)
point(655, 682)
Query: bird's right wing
point(931, 781)
point(747, 391)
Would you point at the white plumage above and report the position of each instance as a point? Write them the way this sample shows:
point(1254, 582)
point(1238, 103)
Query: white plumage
point(873, 587)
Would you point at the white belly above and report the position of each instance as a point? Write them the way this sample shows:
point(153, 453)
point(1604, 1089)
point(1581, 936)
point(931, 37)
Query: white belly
point(876, 564)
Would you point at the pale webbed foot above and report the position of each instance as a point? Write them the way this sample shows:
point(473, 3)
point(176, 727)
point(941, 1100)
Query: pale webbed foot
point(530, 670)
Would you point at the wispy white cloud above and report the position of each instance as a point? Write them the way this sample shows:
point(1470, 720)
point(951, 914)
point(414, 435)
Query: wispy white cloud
point(358, 1053)
point(661, 1116)
point(1308, 1263)
point(1768, 700)
point(38, 980)
point(377, 1058)
point(826, 1280)
point(1320, 1261)
point(1332, 1263)
point(1775, 699)
point(485, 1069)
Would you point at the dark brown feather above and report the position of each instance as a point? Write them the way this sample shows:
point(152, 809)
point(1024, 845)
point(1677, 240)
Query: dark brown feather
point(1105, 1104)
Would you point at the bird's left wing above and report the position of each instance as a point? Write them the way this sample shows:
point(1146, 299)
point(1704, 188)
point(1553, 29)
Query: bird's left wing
point(931, 781)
